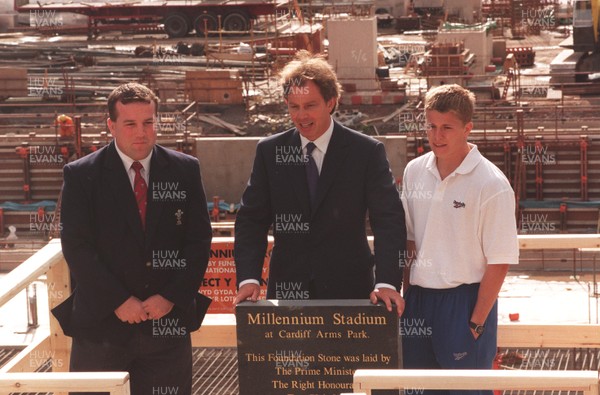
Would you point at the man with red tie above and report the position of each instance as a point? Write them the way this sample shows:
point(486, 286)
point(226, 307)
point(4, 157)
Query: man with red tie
point(136, 236)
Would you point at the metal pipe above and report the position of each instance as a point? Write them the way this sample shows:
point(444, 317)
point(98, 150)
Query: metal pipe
point(32, 312)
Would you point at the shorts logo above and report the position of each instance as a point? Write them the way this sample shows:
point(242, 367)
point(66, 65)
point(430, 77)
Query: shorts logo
point(459, 204)
point(459, 355)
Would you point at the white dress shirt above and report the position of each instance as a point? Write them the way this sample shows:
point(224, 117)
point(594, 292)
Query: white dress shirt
point(127, 162)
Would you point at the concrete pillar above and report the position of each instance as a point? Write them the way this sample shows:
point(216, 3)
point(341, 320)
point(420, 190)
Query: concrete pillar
point(353, 51)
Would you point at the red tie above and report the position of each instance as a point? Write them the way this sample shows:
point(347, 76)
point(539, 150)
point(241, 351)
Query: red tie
point(141, 190)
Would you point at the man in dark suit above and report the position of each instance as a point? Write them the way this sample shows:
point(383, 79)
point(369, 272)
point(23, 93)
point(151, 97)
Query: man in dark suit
point(315, 184)
point(136, 236)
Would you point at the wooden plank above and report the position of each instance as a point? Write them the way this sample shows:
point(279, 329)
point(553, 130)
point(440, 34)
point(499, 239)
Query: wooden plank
point(469, 379)
point(59, 289)
point(398, 111)
point(209, 84)
point(116, 383)
point(551, 336)
point(228, 125)
point(19, 278)
point(534, 242)
point(213, 120)
point(217, 330)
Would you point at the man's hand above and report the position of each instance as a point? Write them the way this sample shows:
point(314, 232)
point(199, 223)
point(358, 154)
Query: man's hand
point(131, 311)
point(248, 291)
point(157, 307)
point(388, 296)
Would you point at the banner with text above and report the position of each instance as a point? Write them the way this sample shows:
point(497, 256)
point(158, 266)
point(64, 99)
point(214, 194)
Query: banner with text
point(219, 281)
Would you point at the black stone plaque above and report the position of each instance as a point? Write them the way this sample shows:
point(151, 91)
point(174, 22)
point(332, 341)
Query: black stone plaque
point(312, 346)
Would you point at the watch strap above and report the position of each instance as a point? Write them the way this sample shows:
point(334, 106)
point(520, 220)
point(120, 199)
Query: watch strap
point(477, 328)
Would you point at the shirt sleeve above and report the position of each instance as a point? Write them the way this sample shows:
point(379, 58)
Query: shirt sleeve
point(499, 229)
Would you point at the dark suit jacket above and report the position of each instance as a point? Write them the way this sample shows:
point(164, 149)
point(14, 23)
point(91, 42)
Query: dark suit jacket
point(321, 253)
point(111, 257)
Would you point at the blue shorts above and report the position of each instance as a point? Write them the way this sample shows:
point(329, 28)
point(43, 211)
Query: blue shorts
point(436, 335)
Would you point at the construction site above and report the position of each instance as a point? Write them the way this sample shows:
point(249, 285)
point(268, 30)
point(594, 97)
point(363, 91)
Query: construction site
point(535, 116)
point(534, 66)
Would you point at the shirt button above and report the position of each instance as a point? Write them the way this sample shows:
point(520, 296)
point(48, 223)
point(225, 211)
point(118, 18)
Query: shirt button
point(146, 286)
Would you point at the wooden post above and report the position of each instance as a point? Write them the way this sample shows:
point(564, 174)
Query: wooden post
point(592, 391)
point(59, 289)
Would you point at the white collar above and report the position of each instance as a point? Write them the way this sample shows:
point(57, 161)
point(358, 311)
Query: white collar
point(323, 141)
point(127, 161)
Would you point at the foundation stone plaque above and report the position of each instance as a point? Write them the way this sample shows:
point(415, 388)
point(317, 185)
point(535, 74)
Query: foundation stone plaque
point(312, 346)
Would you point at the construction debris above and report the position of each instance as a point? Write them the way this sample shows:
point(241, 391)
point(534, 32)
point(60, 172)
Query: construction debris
point(216, 121)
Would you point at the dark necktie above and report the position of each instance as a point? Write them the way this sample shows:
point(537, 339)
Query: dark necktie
point(312, 174)
point(141, 190)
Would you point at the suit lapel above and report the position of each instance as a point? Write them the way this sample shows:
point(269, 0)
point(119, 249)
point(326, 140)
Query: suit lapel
point(116, 177)
point(334, 160)
point(158, 174)
point(297, 175)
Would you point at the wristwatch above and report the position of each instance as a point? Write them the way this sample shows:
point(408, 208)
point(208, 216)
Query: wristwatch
point(479, 329)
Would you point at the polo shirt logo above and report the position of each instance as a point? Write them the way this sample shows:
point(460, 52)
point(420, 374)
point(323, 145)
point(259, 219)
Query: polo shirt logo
point(459, 204)
point(459, 355)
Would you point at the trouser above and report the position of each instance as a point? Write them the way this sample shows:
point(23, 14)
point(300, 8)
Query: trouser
point(156, 365)
point(436, 334)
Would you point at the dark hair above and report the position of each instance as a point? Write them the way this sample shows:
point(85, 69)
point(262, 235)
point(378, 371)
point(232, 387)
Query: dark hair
point(452, 98)
point(308, 67)
point(130, 92)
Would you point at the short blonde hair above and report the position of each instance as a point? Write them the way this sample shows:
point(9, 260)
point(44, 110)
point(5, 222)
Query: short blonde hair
point(451, 98)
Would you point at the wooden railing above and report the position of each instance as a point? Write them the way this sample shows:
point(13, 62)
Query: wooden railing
point(115, 383)
point(366, 380)
point(218, 330)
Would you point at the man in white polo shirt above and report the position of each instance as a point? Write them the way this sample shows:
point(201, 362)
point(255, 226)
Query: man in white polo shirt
point(462, 235)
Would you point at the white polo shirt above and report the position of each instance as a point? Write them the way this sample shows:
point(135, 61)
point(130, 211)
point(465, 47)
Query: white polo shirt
point(459, 224)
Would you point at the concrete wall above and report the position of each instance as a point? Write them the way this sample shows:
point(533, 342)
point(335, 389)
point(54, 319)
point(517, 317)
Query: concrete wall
point(7, 15)
point(231, 159)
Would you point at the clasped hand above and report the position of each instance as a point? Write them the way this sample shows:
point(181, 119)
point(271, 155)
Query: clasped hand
point(135, 311)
